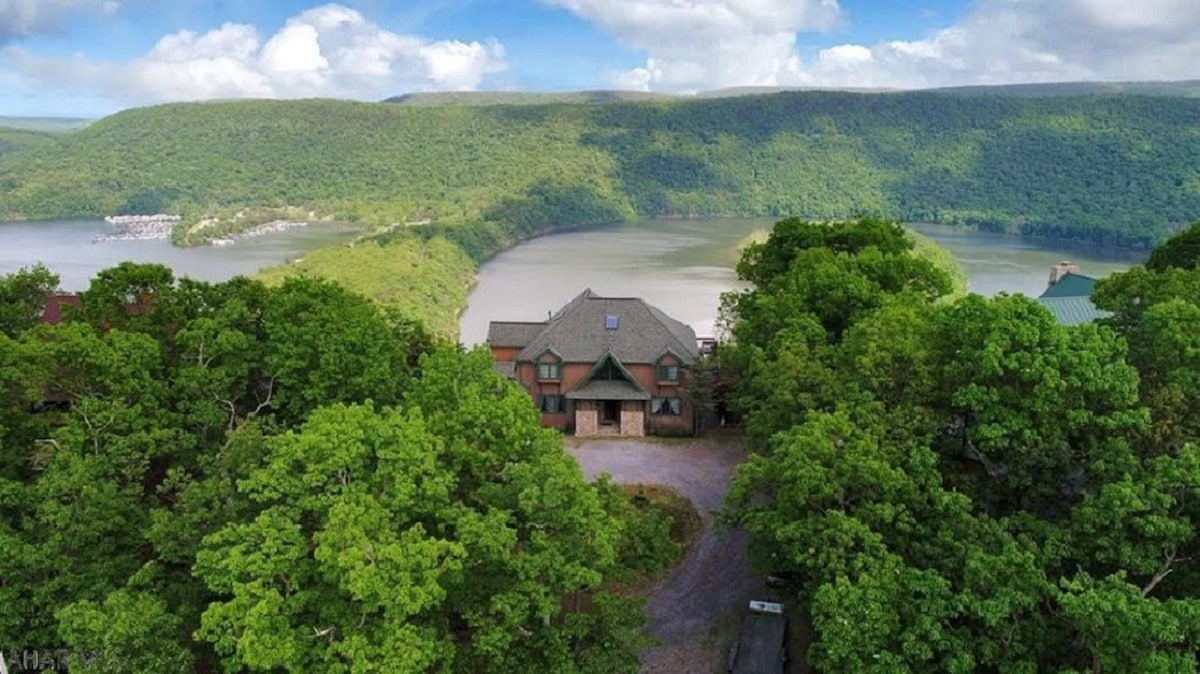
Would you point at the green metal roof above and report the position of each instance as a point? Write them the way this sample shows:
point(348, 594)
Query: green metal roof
point(1071, 285)
point(1073, 310)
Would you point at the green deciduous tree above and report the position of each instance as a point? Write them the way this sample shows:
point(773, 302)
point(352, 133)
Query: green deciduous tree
point(230, 476)
point(126, 633)
point(325, 345)
point(22, 297)
point(1181, 251)
point(1032, 401)
point(969, 486)
point(432, 536)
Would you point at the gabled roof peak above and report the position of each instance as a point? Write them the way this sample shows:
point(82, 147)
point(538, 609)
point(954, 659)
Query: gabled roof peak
point(641, 333)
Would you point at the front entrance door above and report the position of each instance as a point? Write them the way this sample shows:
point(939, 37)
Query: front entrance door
point(610, 412)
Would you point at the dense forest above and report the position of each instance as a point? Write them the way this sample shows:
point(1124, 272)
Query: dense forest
point(241, 478)
point(13, 140)
point(961, 484)
point(1113, 169)
point(246, 477)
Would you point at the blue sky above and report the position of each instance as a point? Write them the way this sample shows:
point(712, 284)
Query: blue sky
point(92, 57)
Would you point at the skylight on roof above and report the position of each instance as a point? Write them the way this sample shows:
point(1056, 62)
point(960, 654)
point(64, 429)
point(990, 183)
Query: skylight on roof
point(610, 322)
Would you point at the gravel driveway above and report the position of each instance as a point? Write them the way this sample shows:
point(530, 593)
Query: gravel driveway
point(694, 610)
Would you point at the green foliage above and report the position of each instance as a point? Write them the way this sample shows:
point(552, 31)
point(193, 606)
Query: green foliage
point(426, 281)
point(19, 140)
point(129, 632)
point(764, 261)
point(231, 477)
point(326, 345)
point(1157, 312)
point(962, 486)
point(1181, 251)
point(831, 273)
point(1126, 162)
point(927, 249)
point(654, 530)
point(22, 296)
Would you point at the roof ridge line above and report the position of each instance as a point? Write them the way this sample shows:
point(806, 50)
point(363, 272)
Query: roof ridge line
point(659, 315)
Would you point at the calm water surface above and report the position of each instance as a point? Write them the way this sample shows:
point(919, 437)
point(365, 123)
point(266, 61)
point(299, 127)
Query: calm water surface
point(65, 246)
point(683, 266)
point(996, 263)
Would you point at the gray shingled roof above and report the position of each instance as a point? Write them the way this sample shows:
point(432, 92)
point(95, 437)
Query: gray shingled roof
point(577, 333)
point(600, 389)
point(513, 333)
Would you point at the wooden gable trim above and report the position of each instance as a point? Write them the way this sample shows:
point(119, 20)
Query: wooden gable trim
point(610, 356)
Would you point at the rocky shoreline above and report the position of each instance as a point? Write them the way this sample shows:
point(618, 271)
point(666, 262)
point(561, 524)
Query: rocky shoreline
point(161, 227)
point(138, 227)
point(273, 227)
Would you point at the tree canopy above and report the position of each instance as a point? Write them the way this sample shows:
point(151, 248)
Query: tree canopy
point(232, 477)
point(963, 485)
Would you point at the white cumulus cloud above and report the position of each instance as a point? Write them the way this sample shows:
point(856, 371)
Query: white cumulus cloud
point(699, 44)
point(19, 18)
point(1005, 41)
point(708, 44)
point(325, 51)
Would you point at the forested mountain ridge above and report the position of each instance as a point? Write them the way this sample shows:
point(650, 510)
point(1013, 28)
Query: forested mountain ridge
point(1185, 88)
point(1119, 169)
point(12, 139)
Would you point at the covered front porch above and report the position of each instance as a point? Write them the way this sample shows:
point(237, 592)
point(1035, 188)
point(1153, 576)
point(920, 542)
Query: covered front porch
point(609, 408)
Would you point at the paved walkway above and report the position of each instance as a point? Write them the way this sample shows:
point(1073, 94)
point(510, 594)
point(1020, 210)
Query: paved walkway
point(694, 610)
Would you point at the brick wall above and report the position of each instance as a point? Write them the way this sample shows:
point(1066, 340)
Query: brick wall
point(633, 418)
point(587, 424)
point(504, 354)
point(572, 377)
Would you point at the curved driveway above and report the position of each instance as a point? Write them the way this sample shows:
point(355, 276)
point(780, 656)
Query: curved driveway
point(694, 610)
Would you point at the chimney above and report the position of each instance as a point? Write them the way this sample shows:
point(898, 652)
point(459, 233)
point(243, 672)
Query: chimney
point(1058, 271)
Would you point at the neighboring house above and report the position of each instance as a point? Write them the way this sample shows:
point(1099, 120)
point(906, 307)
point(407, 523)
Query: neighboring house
point(1069, 296)
point(602, 366)
point(52, 312)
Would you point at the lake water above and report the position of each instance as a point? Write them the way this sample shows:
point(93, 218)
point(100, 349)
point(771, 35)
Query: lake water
point(683, 266)
point(65, 246)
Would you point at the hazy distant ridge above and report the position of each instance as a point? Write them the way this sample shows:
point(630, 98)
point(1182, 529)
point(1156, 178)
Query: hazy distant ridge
point(50, 124)
point(1184, 88)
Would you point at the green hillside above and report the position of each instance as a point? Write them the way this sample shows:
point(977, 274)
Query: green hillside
point(1185, 88)
point(1122, 170)
point(13, 140)
point(434, 98)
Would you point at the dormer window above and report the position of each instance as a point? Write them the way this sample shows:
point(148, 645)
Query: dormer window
point(549, 367)
point(668, 368)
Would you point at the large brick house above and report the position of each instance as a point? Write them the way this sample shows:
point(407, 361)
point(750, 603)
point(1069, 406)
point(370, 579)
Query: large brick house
point(602, 365)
